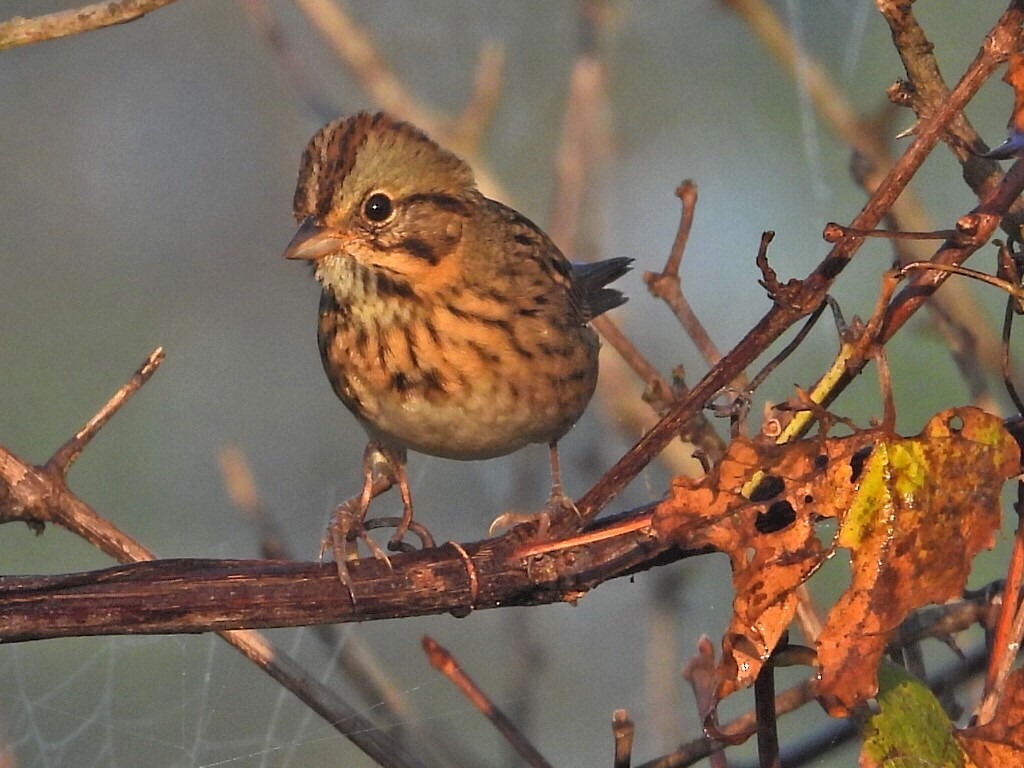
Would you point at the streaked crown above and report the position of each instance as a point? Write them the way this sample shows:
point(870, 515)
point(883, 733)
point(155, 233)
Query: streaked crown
point(350, 158)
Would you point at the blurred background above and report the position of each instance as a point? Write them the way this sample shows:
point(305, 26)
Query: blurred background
point(146, 177)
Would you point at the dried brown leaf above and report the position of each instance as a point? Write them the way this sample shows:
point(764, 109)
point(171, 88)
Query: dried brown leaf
point(913, 512)
point(1000, 743)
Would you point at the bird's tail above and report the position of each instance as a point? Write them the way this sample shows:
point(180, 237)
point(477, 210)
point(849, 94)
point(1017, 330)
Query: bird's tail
point(591, 280)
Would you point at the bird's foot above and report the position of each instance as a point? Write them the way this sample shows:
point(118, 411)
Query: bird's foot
point(348, 527)
point(557, 505)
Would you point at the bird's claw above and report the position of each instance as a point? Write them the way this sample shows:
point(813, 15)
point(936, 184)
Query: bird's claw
point(347, 528)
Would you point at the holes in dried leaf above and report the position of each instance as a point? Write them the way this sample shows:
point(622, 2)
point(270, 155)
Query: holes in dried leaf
point(769, 487)
point(777, 517)
point(857, 462)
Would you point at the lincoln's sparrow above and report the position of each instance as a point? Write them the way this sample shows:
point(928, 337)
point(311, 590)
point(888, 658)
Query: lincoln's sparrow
point(449, 324)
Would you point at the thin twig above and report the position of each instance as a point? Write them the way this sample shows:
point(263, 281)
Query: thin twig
point(622, 733)
point(65, 456)
point(767, 724)
point(446, 664)
point(687, 194)
point(25, 31)
point(666, 284)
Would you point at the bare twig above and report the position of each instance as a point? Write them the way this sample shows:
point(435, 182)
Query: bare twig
point(622, 732)
point(25, 31)
point(446, 664)
point(687, 194)
point(666, 285)
point(65, 456)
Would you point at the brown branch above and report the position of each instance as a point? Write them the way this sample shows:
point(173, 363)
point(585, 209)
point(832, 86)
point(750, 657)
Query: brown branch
point(804, 297)
point(442, 660)
point(666, 285)
point(65, 456)
point(185, 595)
point(51, 26)
point(622, 733)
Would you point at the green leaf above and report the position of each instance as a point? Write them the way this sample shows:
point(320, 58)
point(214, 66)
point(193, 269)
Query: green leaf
point(910, 730)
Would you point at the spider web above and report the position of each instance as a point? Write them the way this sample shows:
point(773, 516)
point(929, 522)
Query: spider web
point(160, 701)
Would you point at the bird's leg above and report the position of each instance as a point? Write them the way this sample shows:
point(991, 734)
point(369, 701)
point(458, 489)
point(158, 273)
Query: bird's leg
point(347, 523)
point(403, 488)
point(557, 501)
point(383, 468)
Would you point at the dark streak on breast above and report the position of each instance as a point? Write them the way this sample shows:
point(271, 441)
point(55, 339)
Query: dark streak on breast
point(390, 287)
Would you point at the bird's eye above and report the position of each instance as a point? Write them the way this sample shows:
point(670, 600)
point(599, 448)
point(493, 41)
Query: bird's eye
point(377, 207)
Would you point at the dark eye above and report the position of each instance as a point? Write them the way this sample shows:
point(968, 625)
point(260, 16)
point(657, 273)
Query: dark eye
point(377, 207)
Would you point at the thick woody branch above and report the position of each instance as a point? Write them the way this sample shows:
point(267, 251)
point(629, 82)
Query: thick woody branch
point(175, 596)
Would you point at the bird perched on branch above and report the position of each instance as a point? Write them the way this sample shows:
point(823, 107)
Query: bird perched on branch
point(449, 323)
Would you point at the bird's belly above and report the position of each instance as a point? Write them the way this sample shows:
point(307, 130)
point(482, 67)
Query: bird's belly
point(480, 422)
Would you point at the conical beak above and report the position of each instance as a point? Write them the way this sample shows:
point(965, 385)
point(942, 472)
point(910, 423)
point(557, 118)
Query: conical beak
point(312, 242)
